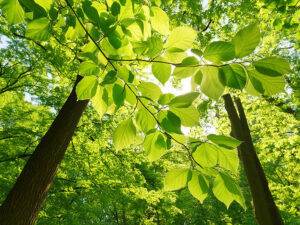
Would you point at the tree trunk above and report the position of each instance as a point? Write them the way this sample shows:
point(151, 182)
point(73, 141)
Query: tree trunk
point(265, 209)
point(22, 205)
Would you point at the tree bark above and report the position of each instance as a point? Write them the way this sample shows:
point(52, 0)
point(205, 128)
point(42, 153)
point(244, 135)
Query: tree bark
point(22, 205)
point(265, 209)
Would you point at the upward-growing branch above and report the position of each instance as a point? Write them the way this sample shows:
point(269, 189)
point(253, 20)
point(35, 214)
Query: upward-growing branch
point(266, 211)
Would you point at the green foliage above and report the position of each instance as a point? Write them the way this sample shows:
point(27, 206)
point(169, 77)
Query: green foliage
point(39, 29)
point(206, 155)
point(176, 179)
point(12, 10)
point(224, 141)
point(219, 51)
point(159, 20)
point(155, 145)
point(113, 44)
point(246, 40)
point(198, 186)
point(226, 190)
point(161, 71)
point(87, 87)
point(124, 134)
point(180, 39)
point(272, 66)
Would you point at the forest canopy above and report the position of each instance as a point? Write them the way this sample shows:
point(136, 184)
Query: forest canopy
point(149, 112)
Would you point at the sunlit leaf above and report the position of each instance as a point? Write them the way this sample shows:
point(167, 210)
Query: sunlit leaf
point(124, 134)
point(145, 120)
point(272, 66)
point(176, 179)
point(46, 4)
point(119, 95)
point(219, 51)
point(183, 101)
point(198, 186)
point(159, 20)
point(225, 141)
point(39, 29)
point(164, 99)
point(189, 116)
point(88, 68)
point(234, 76)
point(169, 121)
point(150, 90)
point(161, 71)
point(12, 10)
point(210, 84)
point(265, 84)
point(246, 40)
point(87, 87)
point(226, 190)
point(155, 145)
point(206, 155)
point(181, 38)
point(228, 159)
point(100, 100)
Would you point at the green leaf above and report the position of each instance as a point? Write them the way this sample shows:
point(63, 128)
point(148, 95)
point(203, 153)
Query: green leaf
point(224, 141)
point(126, 10)
point(189, 61)
point(246, 40)
point(226, 190)
point(110, 77)
point(169, 122)
point(206, 155)
point(161, 71)
point(176, 179)
point(39, 29)
point(164, 99)
point(130, 97)
point(12, 10)
point(155, 145)
point(100, 100)
point(183, 101)
point(210, 84)
point(198, 186)
point(87, 68)
point(91, 12)
point(115, 8)
point(265, 84)
point(125, 74)
point(272, 66)
point(196, 79)
point(219, 51)
point(197, 52)
point(87, 87)
point(46, 4)
point(151, 47)
point(115, 41)
point(149, 90)
point(228, 159)
point(159, 20)
point(183, 70)
point(124, 135)
point(181, 38)
point(145, 120)
point(234, 76)
point(189, 116)
point(119, 95)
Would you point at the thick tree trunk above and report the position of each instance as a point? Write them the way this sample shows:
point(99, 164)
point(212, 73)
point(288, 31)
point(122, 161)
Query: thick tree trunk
point(266, 211)
point(24, 201)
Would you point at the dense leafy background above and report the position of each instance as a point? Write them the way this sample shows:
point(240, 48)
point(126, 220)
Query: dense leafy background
point(97, 184)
